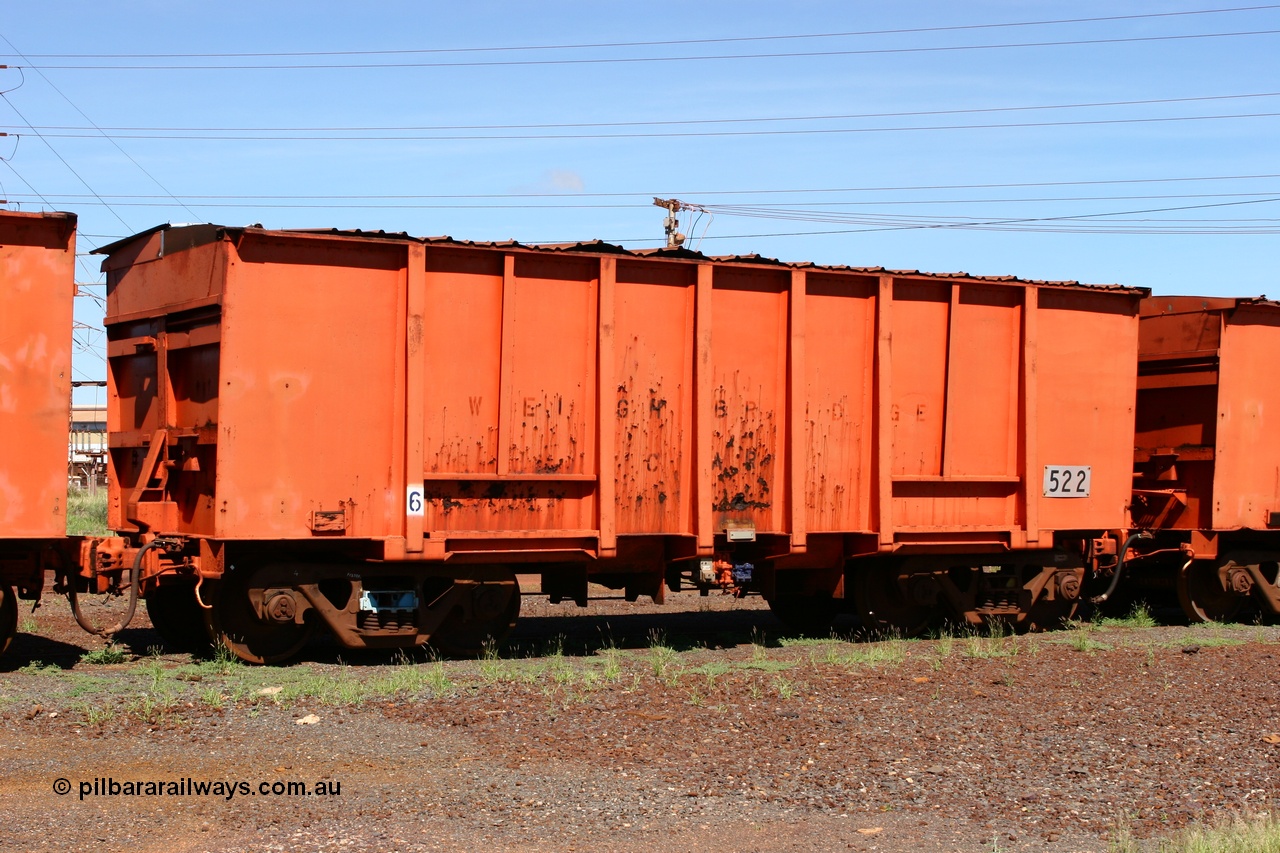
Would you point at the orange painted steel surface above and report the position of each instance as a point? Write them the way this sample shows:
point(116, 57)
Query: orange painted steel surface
point(1208, 431)
point(37, 287)
point(450, 398)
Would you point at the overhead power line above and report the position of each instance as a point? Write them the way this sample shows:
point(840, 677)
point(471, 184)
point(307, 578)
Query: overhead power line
point(569, 202)
point(43, 138)
point(672, 122)
point(83, 115)
point(613, 60)
point(675, 134)
point(1069, 223)
point(648, 195)
point(663, 43)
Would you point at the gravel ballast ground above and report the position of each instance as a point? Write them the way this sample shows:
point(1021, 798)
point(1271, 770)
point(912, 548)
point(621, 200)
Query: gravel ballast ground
point(693, 726)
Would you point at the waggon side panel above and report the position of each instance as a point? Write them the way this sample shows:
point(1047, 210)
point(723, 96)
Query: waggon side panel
point(191, 275)
point(835, 407)
point(462, 347)
point(37, 286)
point(956, 349)
point(510, 433)
point(651, 394)
point(1246, 485)
point(311, 402)
point(1087, 386)
point(749, 344)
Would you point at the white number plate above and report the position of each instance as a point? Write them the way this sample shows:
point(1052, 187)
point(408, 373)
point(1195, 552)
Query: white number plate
point(413, 500)
point(1067, 481)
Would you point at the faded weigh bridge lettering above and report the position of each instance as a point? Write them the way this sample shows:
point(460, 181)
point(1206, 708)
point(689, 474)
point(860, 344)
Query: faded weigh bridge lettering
point(649, 457)
point(745, 436)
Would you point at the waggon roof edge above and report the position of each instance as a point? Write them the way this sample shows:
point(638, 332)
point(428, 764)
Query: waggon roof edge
point(194, 235)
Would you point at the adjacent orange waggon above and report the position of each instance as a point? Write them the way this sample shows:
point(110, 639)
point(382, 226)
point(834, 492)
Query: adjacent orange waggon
point(37, 289)
point(375, 434)
point(1207, 459)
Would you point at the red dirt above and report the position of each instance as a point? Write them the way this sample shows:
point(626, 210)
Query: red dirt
point(799, 747)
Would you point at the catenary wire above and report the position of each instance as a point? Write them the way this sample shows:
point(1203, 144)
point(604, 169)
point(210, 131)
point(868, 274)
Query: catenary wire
point(569, 204)
point(1073, 219)
point(668, 42)
point(648, 194)
point(664, 59)
point(811, 131)
point(63, 160)
point(667, 122)
point(82, 113)
point(46, 201)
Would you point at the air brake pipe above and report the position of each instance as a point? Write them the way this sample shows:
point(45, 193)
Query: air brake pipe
point(199, 600)
point(133, 596)
point(1115, 577)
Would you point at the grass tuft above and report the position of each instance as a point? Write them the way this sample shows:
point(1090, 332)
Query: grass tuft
point(86, 513)
point(997, 642)
point(1255, 834)
point(1139, 616)
point(104, 656)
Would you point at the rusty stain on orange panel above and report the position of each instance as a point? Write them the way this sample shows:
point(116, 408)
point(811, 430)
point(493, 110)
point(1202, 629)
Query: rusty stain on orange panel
point(748, 434)
point(462, 340)
point(884, 410)
point(606, 499)
point(650, 395)
point(704, 414)
point(412, 371)
point(837, 401)
point(549, 366)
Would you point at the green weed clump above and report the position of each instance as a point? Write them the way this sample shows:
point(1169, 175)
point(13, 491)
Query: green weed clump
point(223, 662)
point(103, 656)
point(1139, 616)
point(998, 642)
point(86, 513)
point(888, 652)
point(1257, 834)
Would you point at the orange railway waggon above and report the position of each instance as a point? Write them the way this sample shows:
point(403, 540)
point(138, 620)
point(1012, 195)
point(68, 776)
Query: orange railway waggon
point(1206, 503)
point(372, 434)
point(37, 286)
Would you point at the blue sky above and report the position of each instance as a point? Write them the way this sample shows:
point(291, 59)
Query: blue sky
point(860, 145)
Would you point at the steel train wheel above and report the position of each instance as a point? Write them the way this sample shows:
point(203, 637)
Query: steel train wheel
point(884, 606)
point(178, 618)
point(494, 606)
point(1202, 597)
point(8, 616)
point(234, 625)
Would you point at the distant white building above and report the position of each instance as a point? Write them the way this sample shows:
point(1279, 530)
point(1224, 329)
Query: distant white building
point(87, 447)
